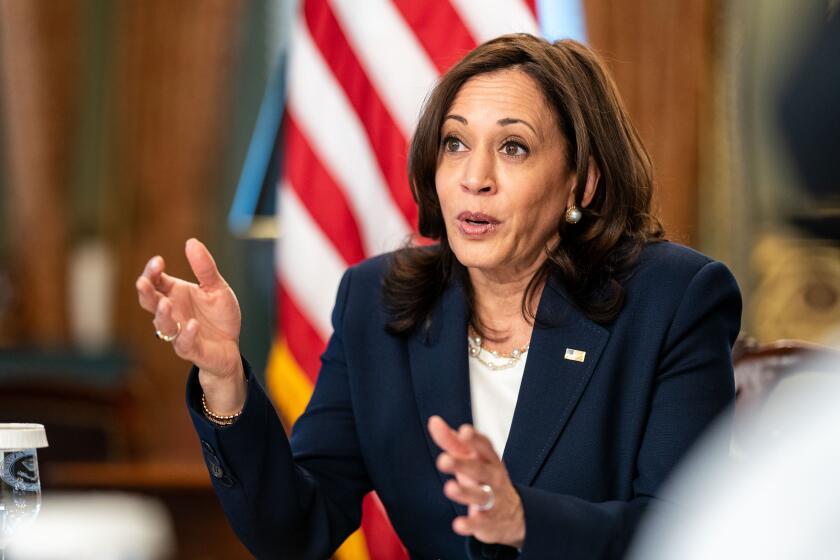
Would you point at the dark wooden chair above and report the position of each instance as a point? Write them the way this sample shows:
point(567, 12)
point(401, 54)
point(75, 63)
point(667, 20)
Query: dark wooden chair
point(86, 403)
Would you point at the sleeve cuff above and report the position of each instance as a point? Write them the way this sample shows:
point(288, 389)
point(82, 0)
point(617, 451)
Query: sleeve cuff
point(226, 448)
point(194, 393)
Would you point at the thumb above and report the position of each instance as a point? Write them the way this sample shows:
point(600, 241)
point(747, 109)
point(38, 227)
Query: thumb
point(203, 265)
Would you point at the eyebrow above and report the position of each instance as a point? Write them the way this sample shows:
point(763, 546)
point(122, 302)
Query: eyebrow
point(508, 120)
point(501, 122)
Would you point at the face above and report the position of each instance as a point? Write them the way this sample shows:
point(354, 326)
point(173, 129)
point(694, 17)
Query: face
point(502, 177)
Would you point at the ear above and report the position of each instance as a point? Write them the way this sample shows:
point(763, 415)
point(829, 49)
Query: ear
point(593, 175)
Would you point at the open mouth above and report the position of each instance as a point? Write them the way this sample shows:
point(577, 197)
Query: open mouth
point(477, 218)
point(476, 224)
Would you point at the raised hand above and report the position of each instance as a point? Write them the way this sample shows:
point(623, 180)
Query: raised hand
point(494, 512)
point(203, 317)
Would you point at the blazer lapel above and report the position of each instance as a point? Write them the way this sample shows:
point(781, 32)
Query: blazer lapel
point(439, 370)
point(556, 374)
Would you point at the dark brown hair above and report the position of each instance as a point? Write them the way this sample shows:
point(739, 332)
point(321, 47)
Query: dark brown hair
point(594, 255)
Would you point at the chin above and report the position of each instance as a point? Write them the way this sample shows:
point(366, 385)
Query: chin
point(476, 255)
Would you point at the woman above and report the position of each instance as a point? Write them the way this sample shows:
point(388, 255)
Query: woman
point(550, 326)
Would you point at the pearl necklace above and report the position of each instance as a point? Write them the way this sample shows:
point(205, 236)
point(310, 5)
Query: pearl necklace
point(476, 349)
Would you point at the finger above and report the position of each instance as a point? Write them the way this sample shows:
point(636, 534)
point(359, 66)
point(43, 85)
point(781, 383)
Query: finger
point(467, 526)
point(188, 344)
point(446, 438)
point(465, 480)
point(203, 265)
point(154, 273)
point(164, 321)
point(153, 268)
point(479, 442)
point(476, 469)
point(146, 294)
point(165, 283)
point(465, 494)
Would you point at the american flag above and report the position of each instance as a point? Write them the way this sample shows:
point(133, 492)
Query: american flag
point(358, 73)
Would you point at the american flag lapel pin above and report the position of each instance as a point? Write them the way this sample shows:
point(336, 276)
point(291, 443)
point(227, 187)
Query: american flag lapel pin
point(575, 355)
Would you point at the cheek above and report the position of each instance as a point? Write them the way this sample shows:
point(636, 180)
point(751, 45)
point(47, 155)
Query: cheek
point(443, 188)
point(550, 213)
point(550, 205)
point(540, 211)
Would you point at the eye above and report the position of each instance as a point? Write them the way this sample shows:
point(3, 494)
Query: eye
point(514, 149)
point(453, 144)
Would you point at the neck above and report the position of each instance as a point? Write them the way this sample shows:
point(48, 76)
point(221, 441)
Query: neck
point(498, 302)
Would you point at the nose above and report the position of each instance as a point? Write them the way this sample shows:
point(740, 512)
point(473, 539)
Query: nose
point(479, 173)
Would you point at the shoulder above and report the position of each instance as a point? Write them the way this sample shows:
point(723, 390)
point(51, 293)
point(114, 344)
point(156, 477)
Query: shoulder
point(363, 283)
point(371, 272)
point(668, 269)
point(392, 286)
point(670, 262)
point(359, 295)
point(666, 256)
point(675, 293)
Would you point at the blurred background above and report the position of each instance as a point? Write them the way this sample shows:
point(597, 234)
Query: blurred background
point(125, 127)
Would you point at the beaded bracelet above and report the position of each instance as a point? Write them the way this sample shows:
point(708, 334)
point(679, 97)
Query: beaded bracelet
point(216, 418)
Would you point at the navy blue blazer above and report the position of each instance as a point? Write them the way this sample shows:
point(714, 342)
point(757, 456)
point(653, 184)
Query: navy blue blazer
point(590, 444)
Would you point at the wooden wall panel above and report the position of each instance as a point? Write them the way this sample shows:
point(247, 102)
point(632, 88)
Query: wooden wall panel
point(659, 52)
point(172, 82)
point(39, 44)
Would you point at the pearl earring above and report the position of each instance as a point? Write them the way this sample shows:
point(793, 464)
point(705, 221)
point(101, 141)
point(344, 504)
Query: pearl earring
point(573, 215)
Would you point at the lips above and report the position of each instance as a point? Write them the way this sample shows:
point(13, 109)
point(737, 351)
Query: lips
point(476, 224)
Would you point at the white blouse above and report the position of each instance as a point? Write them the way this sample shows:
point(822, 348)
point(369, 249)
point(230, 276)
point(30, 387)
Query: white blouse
point(493, 394)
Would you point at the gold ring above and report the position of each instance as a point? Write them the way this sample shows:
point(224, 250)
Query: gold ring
point(169, 337)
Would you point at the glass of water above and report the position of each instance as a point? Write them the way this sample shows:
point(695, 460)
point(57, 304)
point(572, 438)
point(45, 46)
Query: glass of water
point(20, 484)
